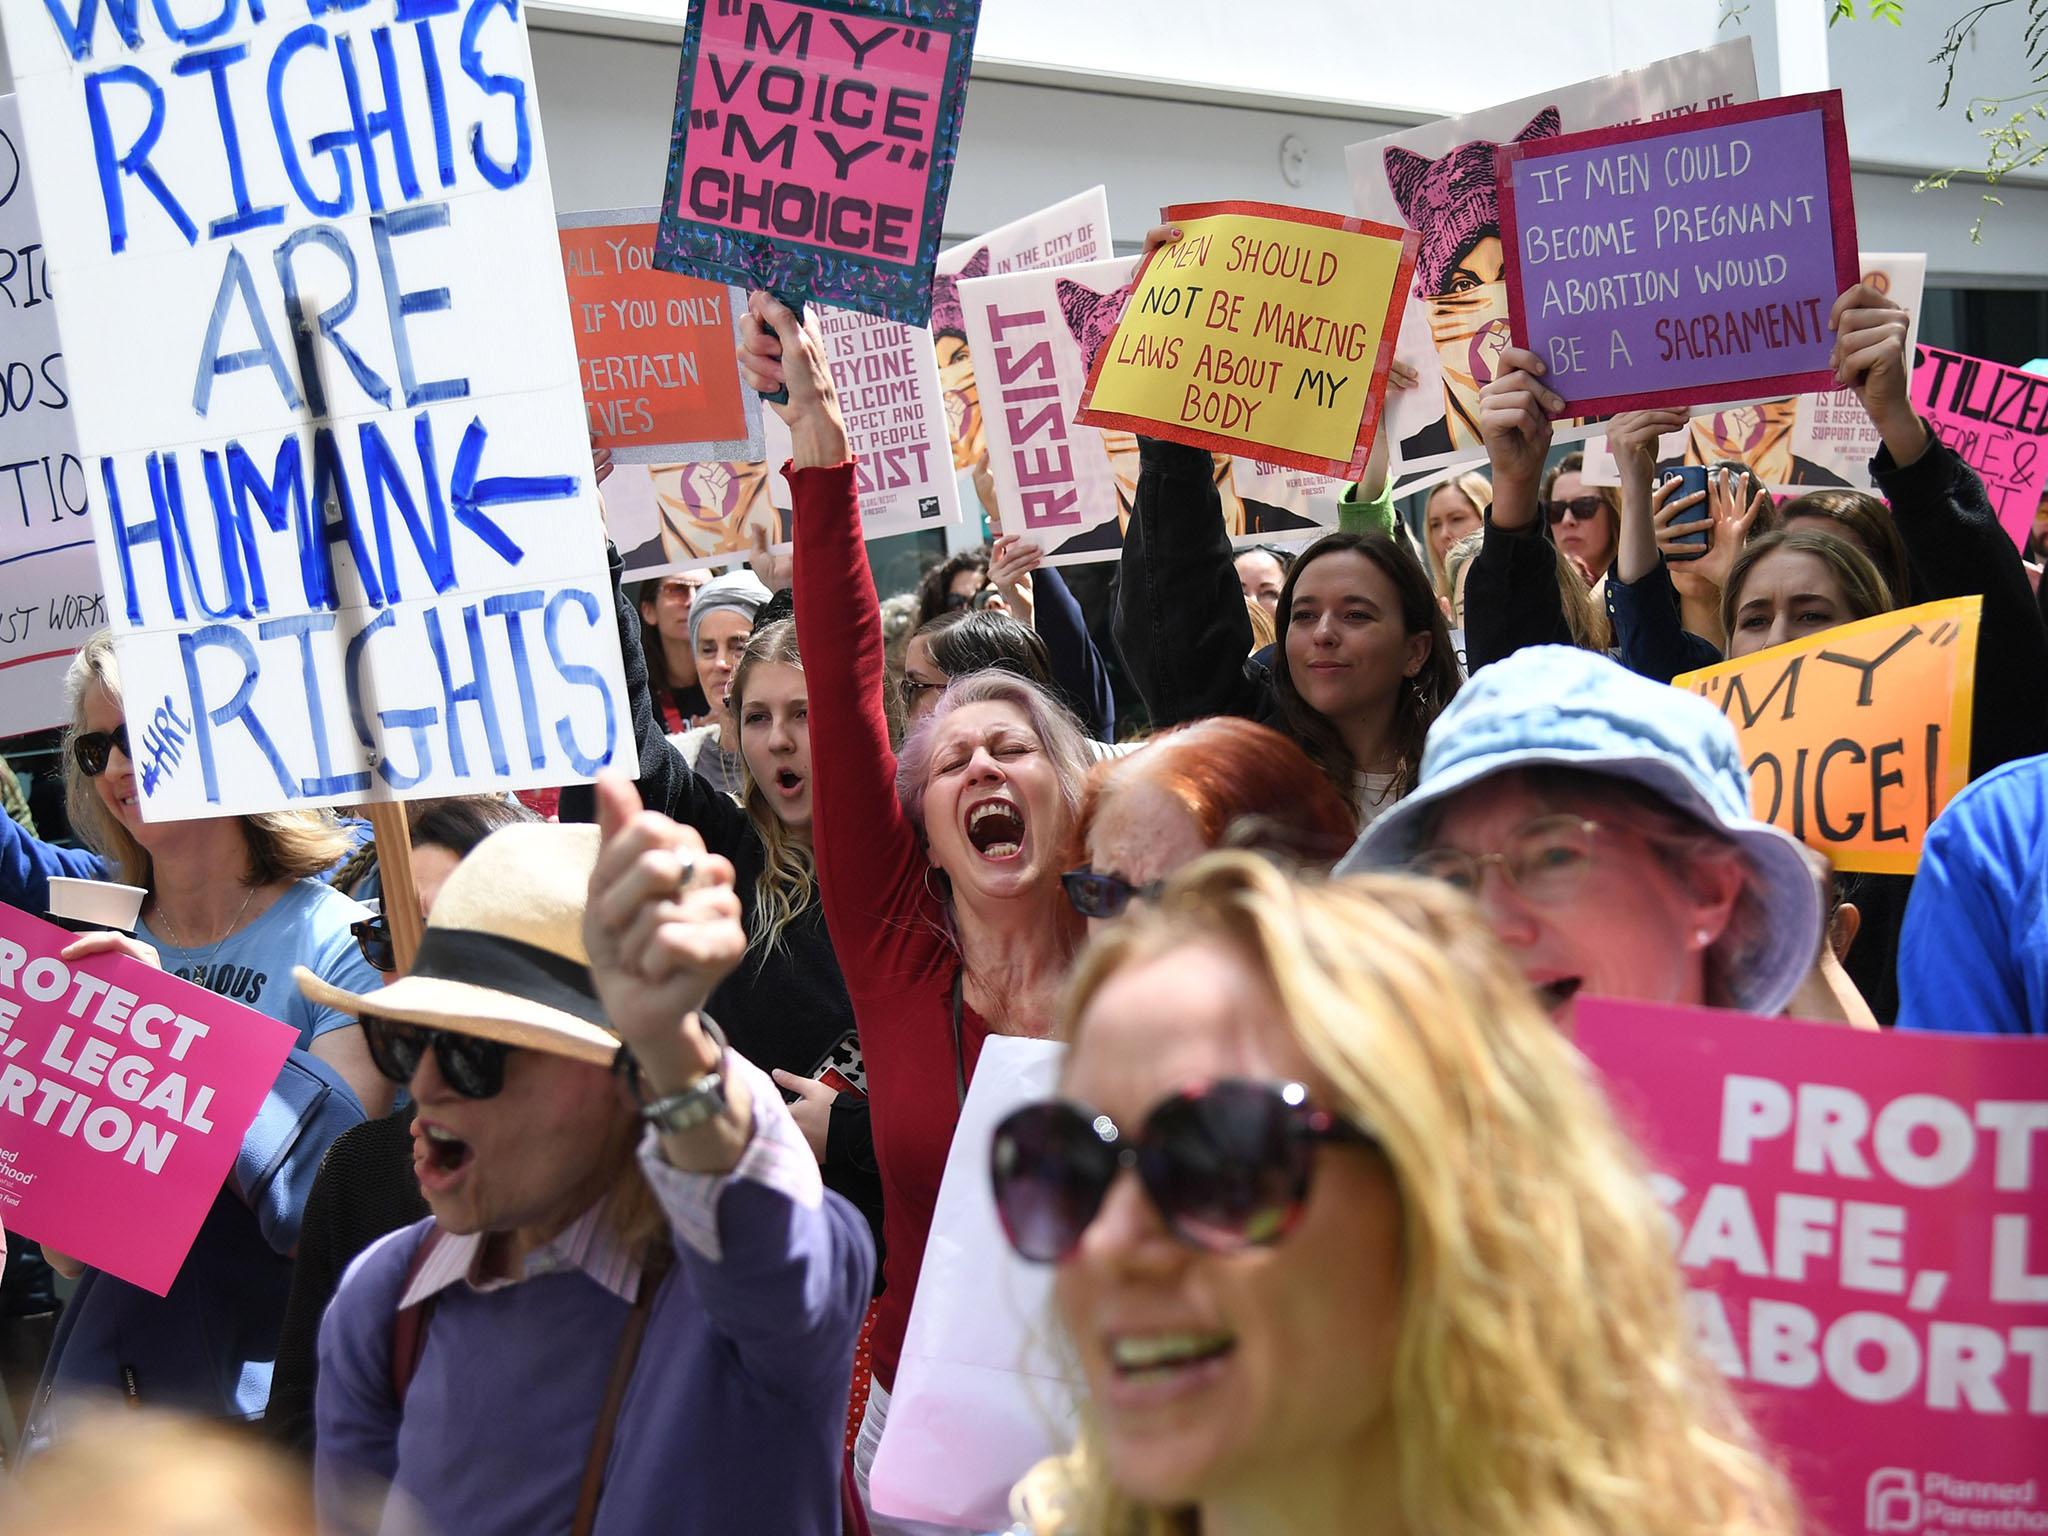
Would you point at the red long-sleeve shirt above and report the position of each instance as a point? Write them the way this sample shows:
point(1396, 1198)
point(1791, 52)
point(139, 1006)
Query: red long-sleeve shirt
point(887, 926)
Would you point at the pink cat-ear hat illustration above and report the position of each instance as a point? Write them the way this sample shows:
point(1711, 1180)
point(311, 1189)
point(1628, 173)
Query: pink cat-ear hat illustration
point(1450, 202)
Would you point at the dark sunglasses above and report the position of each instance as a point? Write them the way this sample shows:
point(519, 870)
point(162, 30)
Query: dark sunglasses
point(1095, 895)
point(373, 938)
point(1226, 1165)
point(91, 750)
point(1582, 509)
point(473, 1068)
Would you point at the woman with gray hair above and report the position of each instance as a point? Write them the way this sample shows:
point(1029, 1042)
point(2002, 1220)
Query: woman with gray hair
point(940, 873)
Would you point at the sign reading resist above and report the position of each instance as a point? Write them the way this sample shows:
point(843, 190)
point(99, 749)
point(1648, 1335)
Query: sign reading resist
point(322, 370)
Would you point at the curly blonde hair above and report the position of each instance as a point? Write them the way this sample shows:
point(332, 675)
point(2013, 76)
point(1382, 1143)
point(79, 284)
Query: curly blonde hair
point(1544, 1382)
point(283, 845)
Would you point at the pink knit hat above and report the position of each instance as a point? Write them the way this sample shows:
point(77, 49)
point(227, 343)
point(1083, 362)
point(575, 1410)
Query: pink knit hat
point(1452, 202)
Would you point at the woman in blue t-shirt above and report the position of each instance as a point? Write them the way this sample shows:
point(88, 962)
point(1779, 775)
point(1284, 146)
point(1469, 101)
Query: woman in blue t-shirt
point(233, 904)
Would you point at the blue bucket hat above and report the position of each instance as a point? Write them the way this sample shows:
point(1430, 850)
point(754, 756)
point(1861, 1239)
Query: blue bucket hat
point(1557, 706)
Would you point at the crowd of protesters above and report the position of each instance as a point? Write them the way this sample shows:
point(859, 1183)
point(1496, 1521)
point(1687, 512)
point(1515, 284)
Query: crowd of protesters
point(609, 1212)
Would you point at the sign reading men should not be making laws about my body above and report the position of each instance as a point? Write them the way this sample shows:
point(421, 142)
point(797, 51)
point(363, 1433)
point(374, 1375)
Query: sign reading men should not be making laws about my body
point(321, 364)
point(1681, 265)
point(1264, 330)
point(813, 146)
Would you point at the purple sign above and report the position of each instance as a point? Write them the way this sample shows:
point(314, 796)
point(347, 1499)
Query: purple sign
point(1657, 265)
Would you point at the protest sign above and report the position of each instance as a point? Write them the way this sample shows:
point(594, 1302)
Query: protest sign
point(1438, 179)
point(679, 517)
point(813, 146)
point(50, 597)
point(1070, 488)
point(1859, 1221)
point(661, 376)
point(1794, 443)
point(328, 396)
point(1265, 330)
point(1996, 419)
point(1679, 265)
point(124, 1096)
point(1857, 736)
point(1066, 234)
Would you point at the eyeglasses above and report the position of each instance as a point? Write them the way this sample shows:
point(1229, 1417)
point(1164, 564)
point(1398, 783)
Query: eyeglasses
point(1546, 859)
point(1226, 1165)
point(373, 938)
point(911, 689)
point(91, 750)
point(1098, 895)
point(474, 1068)
point(1581, 508)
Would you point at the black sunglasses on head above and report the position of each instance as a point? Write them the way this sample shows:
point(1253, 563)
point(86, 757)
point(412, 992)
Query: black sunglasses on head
point(1226, 1165)
point(474, 1068)
point(91, 749)
point(1099, 895)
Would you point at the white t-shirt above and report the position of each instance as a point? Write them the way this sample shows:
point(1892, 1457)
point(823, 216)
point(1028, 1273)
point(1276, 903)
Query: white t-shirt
point(1371, 793)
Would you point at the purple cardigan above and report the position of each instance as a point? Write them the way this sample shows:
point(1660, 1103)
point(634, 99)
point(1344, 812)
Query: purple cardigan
point(735, 1421)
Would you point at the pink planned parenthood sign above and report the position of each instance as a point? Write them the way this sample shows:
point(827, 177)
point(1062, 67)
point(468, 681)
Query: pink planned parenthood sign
point(124, 1097)
point(1862, 1220)
point(1681, 263)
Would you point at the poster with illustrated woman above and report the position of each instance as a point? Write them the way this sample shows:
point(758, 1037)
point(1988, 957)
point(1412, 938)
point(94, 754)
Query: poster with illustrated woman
point(1438, 180)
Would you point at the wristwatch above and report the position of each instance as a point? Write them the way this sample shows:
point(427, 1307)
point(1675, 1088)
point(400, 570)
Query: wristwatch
point(703, 1100)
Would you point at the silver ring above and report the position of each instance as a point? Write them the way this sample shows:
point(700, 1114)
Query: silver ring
point(689, 873)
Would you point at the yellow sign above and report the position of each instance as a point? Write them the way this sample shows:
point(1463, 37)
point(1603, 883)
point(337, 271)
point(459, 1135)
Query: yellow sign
point(1264, 331)
point(1856, 737)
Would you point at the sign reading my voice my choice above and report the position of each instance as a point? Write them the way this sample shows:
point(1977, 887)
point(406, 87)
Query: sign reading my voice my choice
point(1660, 265)
point(306, 272)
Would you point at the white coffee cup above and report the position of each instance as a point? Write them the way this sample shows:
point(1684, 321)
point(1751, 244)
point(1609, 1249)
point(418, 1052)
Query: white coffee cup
point(95, 904)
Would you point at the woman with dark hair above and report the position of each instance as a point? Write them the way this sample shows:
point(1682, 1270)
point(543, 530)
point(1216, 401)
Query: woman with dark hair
point(1858, 518)
point(665, 640)
point(1213, 784)
point(1364, 661)
point(951, 584)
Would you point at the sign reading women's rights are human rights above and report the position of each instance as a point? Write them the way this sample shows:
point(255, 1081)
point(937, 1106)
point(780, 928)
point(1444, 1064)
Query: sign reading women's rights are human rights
point(1681, 263)
point(307, 278)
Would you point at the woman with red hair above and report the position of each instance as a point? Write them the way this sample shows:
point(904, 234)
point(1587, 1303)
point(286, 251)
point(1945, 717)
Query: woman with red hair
point(1219, 782)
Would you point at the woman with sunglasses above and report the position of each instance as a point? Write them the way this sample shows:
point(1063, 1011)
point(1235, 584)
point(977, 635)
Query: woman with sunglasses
point(1308, 1252)
point(234, 903)
point(939, 873)
point(1216, 783)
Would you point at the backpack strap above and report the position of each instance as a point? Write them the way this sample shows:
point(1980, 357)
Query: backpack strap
point(652, 1273)
point(409, 1331)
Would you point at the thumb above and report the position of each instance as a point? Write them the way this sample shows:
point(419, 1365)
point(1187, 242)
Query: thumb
point(617, 803)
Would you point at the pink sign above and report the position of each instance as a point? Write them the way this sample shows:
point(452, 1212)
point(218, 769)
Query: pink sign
point(1996, 419)
point(1861, 1221)
point(124, 1097)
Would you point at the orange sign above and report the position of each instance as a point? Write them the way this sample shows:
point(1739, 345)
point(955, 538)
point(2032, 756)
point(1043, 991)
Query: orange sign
point(656, 351)
point(1856, 737)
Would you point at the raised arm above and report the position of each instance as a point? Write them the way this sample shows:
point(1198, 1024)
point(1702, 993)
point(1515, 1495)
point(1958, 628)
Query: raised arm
point(27, 863)
point(1039, 597)
point(1641, 600)
point(1954, 541)
point(871, 865)
point(1511, 594)
point(1181, 622)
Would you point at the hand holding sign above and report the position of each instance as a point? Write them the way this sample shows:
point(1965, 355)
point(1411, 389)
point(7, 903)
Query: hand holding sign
point(778, 353)
point(1515, 411)
point(1870, 359)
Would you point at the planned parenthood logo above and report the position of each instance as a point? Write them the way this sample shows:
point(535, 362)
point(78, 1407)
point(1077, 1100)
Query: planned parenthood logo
point(1897, 1500)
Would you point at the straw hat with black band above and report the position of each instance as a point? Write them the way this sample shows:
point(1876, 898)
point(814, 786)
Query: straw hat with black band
point(502, 956)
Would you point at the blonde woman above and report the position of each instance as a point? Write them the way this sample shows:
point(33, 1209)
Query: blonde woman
point(1455, 510)
point(233, 904)
point(1348, 1243)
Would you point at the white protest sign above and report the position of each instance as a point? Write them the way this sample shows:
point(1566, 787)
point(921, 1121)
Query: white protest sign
point(1070, 488)
point(1067, 233)
point(312, 302)
point(49, 578)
